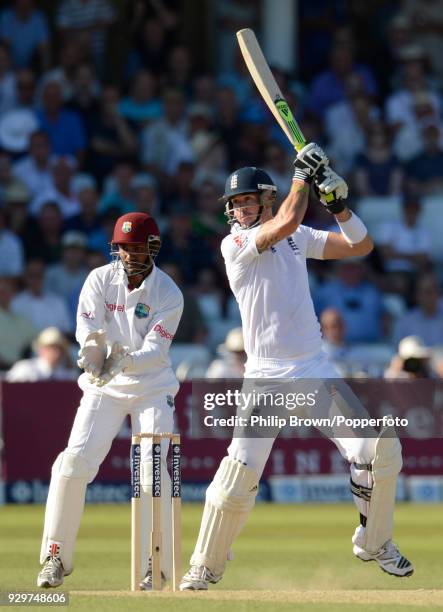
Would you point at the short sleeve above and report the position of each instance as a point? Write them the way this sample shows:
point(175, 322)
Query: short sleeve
point(315, 241)
point(239, 248)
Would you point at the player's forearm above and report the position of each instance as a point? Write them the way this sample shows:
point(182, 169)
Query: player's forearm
point(292, 211)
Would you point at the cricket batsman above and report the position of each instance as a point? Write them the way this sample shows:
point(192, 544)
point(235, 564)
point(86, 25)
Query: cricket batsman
point(265, 258)
point(127, 316)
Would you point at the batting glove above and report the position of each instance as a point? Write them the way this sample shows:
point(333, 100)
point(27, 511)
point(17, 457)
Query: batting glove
point(92, 354)
point(308, 162)
point(331, 190)
point(119, 359)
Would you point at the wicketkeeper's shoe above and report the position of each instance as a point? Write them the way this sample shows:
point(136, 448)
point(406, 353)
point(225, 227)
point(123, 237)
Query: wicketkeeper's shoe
point(197, 578)
point(146, 583)
point(52, 573)
point(388, 557)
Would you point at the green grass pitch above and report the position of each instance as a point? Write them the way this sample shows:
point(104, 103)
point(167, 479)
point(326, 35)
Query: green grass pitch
point(296, 557)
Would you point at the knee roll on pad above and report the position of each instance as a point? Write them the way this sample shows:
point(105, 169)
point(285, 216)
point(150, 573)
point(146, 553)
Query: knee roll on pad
point(234, 488)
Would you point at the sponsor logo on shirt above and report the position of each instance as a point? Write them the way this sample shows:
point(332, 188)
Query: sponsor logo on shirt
point(115, 307)
point(142, 310)
point(240, 240)
point(163, 332)
point(170, 401)
point(88, 315)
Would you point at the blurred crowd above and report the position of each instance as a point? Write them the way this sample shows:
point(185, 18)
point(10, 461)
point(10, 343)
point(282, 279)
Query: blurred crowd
point(90, 130)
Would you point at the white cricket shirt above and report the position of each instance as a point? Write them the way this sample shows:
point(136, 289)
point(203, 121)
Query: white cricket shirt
point(272, 290)
point(144, 319)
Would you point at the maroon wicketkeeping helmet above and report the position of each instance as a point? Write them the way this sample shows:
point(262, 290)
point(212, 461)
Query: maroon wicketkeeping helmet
point(137, 228)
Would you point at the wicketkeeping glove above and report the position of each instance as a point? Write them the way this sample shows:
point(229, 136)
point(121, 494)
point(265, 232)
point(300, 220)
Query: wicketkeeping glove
point(119, 359)
point(308, 161)
point(331, 189)
point(92, 354)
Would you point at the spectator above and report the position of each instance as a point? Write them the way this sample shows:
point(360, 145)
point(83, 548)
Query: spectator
point(25, 86)
point(333, 331)
point(179, 69)
point(192, 327)
point(151, 47)
point(182, 246)
point(408, 140)
point(51, 363)
point(145, 194)
point(112, 139)
point(207, 291)
point(11, 250)
point(61, 192)
point(16, 199)
point(118, 190)
point(377, 169)
point(43, 308)
point(347, 122)
point(8, 182)
point(427, 23)
point(7, 81)
point(357, 300)
point(16, 331)
point(426, 320)
point(411, 361)
point(277, 165)
point(87, 220)
point(64, 127)
point(86, 22)
point(64, 277)
point(180, 190)
point(425, 172)
point(204, 91)
point(84, 99)
point(164, 143)
point(42, 239)
point(329, 87)
point(209, 152)
point(142, 105)
point(228, 122)
point(64, 73)
point(34, 170)
point(100, 239)
point(405, 244)
point(232, 357)
point(208, 218)
point(26, 30)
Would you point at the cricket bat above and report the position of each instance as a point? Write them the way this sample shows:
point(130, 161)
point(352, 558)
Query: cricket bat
point(268, 88)
point(270, 91)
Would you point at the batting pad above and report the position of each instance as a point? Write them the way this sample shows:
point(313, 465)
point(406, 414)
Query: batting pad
point(386, 466)
point(64, 506)
point(229, 499)
point(146, 518)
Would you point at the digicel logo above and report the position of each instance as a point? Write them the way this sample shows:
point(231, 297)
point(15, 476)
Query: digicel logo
point(163, 333)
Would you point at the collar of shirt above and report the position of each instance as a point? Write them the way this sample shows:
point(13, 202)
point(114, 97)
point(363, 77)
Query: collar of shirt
point(145, 285)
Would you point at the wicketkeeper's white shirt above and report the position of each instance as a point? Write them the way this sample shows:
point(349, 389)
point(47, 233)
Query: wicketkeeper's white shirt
point(144, 319)
point(272, 290)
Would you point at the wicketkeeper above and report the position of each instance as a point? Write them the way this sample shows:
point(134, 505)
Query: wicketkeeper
point(128, 313)
point(265, 258)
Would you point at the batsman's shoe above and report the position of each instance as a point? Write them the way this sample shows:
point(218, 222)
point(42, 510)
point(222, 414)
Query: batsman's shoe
point(388, 557)
point(146, 583)
point(197, 579)
point(52, 573)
